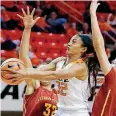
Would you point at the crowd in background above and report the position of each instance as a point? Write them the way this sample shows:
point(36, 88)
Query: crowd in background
point(52, 21)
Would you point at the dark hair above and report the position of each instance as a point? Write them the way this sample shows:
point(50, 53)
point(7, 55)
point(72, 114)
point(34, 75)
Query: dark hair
point(92, 61)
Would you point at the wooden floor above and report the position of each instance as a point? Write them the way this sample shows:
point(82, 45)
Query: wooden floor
point(11, 113)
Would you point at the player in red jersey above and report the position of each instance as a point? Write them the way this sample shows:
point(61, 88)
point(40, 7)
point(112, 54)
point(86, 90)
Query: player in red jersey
point(105, 100)
point(39, 99)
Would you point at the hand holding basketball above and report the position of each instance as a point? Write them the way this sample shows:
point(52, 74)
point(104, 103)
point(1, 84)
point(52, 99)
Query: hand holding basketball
point(28, 18)
point(16, 75)
point(12, 66)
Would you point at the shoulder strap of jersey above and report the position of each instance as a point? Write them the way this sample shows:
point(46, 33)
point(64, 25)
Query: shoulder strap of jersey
point(78, 61)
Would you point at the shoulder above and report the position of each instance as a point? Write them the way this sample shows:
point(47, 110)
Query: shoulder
point(81, 70)
point(81, 65)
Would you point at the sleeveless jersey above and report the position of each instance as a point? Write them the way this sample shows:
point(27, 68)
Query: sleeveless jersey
point(40, 103)
point(72, 94)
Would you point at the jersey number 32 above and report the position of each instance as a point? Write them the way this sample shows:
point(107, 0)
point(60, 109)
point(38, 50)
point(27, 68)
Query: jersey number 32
point(48, 110)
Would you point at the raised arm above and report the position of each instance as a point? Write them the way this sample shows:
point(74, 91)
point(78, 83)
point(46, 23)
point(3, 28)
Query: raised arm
point(98, 40)
point(24, 47)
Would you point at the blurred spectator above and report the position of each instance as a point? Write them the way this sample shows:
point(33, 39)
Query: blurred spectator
point(21, 4)
point(41, 23)
point(7, 22)
point(56, 23)
point(104, 26)
point(70, 29)
point(8, 45)
point(47, 8)
point(85, 29)
point(86, 17)
point(112, 19)
point(39, 4)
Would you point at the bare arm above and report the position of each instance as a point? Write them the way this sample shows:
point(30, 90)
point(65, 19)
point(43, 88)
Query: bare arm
point(78, 70)
point(24, 47)
point(98, 40)
point(23, 55)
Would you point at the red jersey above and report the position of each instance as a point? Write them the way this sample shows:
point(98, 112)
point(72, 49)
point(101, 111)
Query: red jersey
point(105, 100)
point(40, 103)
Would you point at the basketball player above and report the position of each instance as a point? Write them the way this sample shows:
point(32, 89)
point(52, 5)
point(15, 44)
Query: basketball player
point(73, 74)
point(105, 100)
point(39, 99)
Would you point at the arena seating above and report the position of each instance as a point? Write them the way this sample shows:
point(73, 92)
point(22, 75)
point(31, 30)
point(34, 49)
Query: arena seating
point(45, 44)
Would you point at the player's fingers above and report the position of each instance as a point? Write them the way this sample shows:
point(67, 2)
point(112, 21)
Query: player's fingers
point(28, 12)
point(37, 19)
point(32, 13)
point(12, 76)
point(23, 12)
point(19, 16)
point(11, 71)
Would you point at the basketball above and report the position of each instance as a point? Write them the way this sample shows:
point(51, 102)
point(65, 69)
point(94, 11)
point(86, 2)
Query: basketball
point(12, 63)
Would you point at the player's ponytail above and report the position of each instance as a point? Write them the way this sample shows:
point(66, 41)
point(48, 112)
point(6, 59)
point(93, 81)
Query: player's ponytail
point(91, 60)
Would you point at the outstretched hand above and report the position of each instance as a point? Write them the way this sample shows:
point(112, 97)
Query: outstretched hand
point(93, 7)
point(28, 18)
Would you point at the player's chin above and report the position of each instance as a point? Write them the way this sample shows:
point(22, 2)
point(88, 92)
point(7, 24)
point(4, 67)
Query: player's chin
point(45, 83)
point(68, 52)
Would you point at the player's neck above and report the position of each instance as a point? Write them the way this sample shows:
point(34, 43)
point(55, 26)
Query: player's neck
point(72, 58)
point(47, 87)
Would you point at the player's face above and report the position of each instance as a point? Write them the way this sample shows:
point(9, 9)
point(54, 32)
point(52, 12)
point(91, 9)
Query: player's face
point(45, 83)
point(75, 46)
